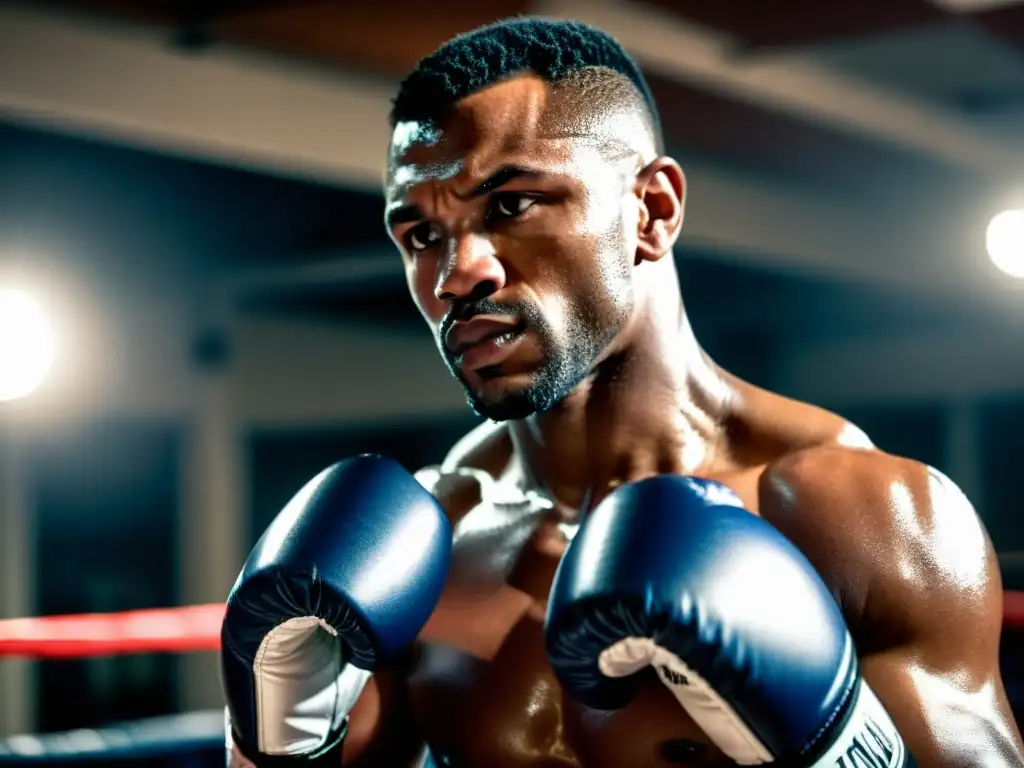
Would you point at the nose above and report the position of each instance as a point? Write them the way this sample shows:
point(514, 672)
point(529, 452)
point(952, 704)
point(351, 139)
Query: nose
point(471, 269)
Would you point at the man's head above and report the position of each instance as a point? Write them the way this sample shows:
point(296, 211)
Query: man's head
point(525, 188)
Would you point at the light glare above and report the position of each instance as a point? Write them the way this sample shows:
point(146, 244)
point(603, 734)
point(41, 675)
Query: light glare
point(1005, 242)
point(26, 344)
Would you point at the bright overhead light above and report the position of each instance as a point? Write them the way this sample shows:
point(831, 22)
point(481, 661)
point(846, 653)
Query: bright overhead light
point(26, 344)
point(1005, 242)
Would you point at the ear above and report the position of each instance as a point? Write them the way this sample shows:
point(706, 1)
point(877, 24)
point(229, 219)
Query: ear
point(661, 192)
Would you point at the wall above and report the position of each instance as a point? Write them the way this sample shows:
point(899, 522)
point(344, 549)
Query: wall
point(290, 374)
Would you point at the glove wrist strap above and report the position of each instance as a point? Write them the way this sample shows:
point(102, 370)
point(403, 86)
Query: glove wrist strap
point(329, 754)
point(867, 737)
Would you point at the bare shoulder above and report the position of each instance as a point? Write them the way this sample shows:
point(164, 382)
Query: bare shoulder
point(915, 575)
point(459, 482)
point(487, 446)
point(768, 426)
point(898, 541)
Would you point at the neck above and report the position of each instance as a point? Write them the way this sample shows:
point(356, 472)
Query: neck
point(655, 406)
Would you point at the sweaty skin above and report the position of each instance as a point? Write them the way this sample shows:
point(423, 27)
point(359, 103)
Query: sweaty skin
point(585, 240)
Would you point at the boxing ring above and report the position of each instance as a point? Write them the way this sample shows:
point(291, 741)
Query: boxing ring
point(196, 739)
point(190, 740)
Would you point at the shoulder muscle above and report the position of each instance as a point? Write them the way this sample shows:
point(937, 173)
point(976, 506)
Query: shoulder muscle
point(487, 446)
point(460, 481)
point(899, 542)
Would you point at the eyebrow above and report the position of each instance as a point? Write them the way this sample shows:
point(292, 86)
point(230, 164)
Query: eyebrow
point(405, 214)
point(499, 178)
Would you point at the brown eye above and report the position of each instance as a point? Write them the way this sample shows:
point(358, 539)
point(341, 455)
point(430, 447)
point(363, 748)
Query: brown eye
point(509, 205)
point(423, 237)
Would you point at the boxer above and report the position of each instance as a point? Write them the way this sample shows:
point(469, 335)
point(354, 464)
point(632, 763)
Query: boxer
point(789, 593)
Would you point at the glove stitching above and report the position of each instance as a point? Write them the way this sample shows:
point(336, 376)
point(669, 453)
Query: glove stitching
point(841, 709)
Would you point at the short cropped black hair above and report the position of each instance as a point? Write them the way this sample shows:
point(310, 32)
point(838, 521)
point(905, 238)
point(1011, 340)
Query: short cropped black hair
point(473, 61)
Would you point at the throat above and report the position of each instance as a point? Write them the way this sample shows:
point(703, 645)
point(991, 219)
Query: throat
point(625, 423)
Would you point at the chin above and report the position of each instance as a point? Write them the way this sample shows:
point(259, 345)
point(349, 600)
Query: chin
point(501, 400)
point(508, 409)
point(528, 390)
point(508, 398)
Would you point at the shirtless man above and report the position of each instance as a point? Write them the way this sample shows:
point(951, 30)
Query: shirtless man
point(535, 213)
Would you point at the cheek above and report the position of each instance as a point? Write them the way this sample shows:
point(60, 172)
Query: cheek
point(603, 216)
point(604, 235)
point(584, 281)
point(610, 224)
point(597, 284)
point(609, 211)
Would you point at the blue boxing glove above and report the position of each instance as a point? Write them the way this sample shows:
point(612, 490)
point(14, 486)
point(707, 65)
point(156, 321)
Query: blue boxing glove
point(343, 579)
point(673, 573)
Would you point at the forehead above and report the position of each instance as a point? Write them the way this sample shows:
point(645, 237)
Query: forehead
point(519, 121)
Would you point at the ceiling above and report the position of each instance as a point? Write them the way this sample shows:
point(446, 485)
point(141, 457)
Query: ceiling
point(848, 152)
point(967, 65)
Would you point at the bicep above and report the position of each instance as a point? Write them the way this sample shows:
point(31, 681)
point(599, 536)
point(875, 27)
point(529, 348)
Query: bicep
point(949, 718)
point(941, 679)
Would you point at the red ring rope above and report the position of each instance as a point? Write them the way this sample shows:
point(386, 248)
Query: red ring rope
point(184, 630)
point(158, 630)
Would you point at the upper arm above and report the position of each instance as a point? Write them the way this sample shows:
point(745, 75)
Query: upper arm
point(915, 574)
point(942, 682)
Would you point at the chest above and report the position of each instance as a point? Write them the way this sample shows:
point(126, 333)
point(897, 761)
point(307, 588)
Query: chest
point(483, 691)
point(506, 709)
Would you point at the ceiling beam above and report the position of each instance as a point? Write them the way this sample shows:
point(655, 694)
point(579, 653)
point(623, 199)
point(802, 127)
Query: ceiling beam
point(126, 83)
point(665, 42)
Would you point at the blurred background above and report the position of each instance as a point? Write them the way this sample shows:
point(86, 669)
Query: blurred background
point(210, 313)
